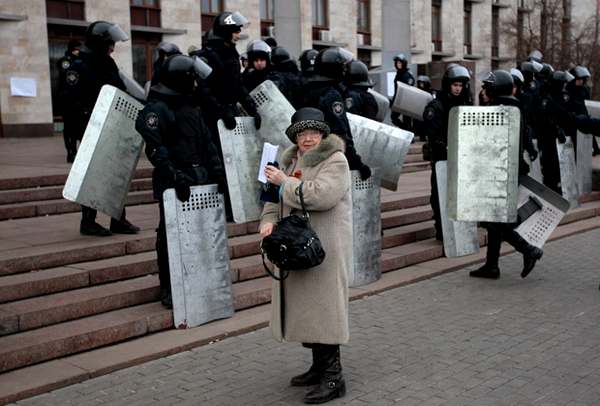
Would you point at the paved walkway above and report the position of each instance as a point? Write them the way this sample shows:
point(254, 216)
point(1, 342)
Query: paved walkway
point(451, 340)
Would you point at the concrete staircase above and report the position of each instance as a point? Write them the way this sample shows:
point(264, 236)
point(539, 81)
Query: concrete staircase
point(62, 293)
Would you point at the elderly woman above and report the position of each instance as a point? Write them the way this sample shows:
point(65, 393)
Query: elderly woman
point(311, 307)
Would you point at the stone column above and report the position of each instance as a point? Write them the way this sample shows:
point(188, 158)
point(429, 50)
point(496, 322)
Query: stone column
point(376, 31)
point(453, 28)
point(342, 23)
point(293, 25)
point(421, 31)
point(182, 15)
point(24, 54)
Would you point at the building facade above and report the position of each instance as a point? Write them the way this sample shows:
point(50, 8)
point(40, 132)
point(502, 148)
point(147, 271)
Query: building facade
point(483, 34)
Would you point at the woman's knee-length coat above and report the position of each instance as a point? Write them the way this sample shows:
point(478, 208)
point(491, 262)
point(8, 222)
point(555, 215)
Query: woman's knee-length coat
point(315, 308)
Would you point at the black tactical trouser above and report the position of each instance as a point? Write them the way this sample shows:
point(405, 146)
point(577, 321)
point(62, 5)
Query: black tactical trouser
point(88, 216)
point(550, 165)
point(162, 254)
point(434, 200)
point(498, 232)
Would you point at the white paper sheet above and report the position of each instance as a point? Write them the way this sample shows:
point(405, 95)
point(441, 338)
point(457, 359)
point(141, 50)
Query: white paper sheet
point(269, 154)
point(26, 87)
point(391, 76)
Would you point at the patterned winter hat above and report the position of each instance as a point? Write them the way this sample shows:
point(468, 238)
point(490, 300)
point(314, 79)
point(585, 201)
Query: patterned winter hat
point(305, 118)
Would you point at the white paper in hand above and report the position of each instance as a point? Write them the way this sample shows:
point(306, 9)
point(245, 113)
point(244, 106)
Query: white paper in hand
point(269, 154)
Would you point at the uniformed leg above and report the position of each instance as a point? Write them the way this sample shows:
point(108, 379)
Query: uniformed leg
point(331, 384)
point(550, 165)
point(490, 269)
point(88, 224)
point(122, 226)
point(162, 257)
point(531, 253)
point(435, 205)
point(70, 140)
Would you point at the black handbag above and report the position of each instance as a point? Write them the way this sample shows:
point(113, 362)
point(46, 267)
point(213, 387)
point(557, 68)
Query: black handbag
point(293, 245)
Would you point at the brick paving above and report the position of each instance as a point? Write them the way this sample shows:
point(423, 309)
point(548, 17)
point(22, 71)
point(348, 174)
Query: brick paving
point(451, 340)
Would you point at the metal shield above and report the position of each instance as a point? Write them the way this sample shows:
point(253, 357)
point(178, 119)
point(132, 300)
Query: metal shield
point(276, 113)
point(483, 163)
point(198, 256)
point(537, 228)
point(366, 230)
point(133, 87)
point(460, 237)
point(568, 171)
point(383, 105)
point(535, 168)
point(381, 146)
point(108, 154)
point(411, 101)
point(584, 162)
point(593, 108)
point(242, 149)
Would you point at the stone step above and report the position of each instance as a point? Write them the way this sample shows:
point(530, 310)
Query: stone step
point(416, 166)
point(55, 192)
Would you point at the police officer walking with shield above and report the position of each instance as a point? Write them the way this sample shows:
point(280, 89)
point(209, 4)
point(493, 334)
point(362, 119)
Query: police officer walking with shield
point(87, 73)
point(403, 75)
point(178, 144)
point(358, 99)
point(64, 64)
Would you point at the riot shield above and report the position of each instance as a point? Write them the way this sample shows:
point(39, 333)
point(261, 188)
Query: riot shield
point(381, 146)
point(536, 228)
point(366, 230)
point(568, 171)
point(593, 108)
point(535, 168)
point(460, 237)
point(276, 113)
point(108, 154)
point(584, 162)
point(483, 163)
point(242, 149)
point(198, 256)
point(383, 105)
point(411, 101)
point(133, 87)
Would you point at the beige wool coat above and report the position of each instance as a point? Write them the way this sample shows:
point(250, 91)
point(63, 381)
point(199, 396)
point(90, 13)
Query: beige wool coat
point(316, 300)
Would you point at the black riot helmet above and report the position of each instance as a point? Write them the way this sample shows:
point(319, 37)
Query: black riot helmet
point(280, 55)
point(307, 60)
point(330, 63)
point(498, 83)
point(258, 49)
point(557, 83)
point(580, 72)
point(100, 35)
point(167, 49)
point(357, 74)
point(178, 74)
point(518, 77)
point(535, 55)
point(402, 59)
point(423, 82)
point(546, 72)
point(226, 23)
point(455, 73)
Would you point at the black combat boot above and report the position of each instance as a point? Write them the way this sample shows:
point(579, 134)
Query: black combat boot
point(88, 224)
point(530, 257)
point(166, 299)
point(486, 271)
point(312, 376)
point(331, 384)
point(122, 226)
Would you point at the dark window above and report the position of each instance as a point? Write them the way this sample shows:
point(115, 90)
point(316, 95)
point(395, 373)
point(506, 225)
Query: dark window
point(266, 17)
point(520, 28)
point(364, 21)
point(69, 9)
point(319, 17)
point(436, 25)
point(145, 13)
point(468, 27)
point(143, 51)
point(495, 31)
point(364, 56)
point(209, 9)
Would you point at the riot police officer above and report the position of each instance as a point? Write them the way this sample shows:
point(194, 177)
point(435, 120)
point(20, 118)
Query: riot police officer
point(164, 49)
point(423, 83)
point(435, 125)
point(530, 84)
point(178, 144)
point(358, 99)
point(578, 93)
point(499, 86)
point(64, 63)
point(525, 106)
point(286, 75)
point(259, 64)
point(404, 75)
point(91, 70)
point(323, 91)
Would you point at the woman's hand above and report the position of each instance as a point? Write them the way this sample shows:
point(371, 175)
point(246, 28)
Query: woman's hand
point(274, 175)
point(266, 230)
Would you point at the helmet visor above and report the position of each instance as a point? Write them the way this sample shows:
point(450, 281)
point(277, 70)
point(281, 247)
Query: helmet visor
point(568, 77)
point(347, 55)
point(117, 34)
point(201, 68)
point(459, 72)
point(581, 72)
point(238, 19)
point(517, 74)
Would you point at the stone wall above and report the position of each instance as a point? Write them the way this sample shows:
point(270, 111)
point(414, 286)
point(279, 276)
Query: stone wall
point(182, 15)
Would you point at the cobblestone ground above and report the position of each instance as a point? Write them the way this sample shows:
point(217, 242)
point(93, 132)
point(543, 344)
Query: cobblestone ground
point(451, 340)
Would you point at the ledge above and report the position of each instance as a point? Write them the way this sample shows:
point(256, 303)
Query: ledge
point(525, 10)
point(415, 51)
point(501, 58)
point(67, 22)
point(12, 17)
point(329, 43)
point(473, 57)
point(501, 5)
point(158, 30)
point(443, 54)
point(368, 47)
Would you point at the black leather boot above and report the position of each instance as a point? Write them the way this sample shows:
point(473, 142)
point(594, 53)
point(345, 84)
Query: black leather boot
point(332, 384)
point(486, 271)
point(88, 224)
point(312, 376)
point(530, 257)
point(166, 299)
point(122, 226)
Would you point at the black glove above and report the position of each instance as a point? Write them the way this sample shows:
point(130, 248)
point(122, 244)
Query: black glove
point(221, 187)
point(533, 155)
point(561, 137)
point(182, 186)
point(257, 121)
point(365, 172)
point(229, 119)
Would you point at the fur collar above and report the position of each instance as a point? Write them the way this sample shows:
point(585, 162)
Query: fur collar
point(332, 143)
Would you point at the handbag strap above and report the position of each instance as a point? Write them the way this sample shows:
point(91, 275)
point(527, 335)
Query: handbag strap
point(284, 274)
point(301, 194)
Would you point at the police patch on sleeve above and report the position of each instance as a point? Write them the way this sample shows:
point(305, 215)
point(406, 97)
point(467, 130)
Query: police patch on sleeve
point(428, 114)
point(349, 103)
point(338, 108)
point(66, 64)
point(72, 77)
point(151, 120)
